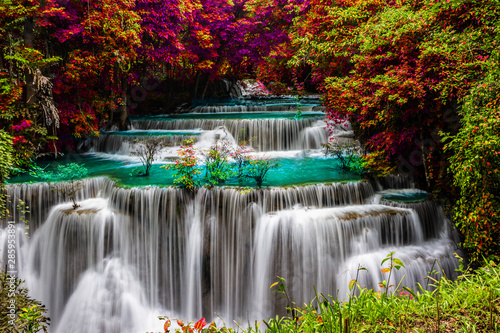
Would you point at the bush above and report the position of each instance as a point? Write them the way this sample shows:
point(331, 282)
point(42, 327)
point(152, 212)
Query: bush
point(6, 151)
point(5, 167)
point(217, 168)
point(468, 304)
point(475, 164)
point(185, 168)
point(28, 313)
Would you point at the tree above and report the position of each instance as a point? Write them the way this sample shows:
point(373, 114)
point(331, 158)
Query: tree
point(26, 110)
point(396, 71)
point(242, 158)
point(147, 150)
point(344, 150)
point(101, 42)
point(258, 169)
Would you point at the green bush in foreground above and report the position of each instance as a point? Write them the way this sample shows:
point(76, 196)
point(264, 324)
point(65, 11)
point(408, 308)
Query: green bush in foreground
point(18, 311)
point(469, 304)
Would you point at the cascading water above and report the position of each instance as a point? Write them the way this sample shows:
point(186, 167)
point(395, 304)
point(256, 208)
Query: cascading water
point(265, 134)
point(124, 142)
point(126, 256)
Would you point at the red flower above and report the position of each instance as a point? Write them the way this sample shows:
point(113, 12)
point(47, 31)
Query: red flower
point(19, 139)
point(24, 124)
point(166, 325)
point(200, 324)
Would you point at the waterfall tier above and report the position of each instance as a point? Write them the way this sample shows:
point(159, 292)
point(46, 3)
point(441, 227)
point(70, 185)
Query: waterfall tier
point(216, 251)
point(264, 134)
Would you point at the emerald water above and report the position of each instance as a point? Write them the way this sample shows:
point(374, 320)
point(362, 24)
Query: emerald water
point(138, 247)
point(406, 196)
point(292, 171)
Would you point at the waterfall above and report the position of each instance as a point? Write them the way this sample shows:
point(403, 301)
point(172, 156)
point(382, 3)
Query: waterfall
point(150, 249)
point(128, 255)
point(33, 202)
point(124, 142)
point(265, 134)
point(108, 299)
point(66, 246)
point(312, 137)
point(283, 245)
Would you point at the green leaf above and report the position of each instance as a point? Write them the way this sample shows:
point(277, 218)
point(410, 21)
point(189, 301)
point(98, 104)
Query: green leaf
point(399, 262)
point(383, 261)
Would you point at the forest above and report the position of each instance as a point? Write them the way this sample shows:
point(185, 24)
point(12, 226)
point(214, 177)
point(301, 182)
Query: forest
point(418, 80)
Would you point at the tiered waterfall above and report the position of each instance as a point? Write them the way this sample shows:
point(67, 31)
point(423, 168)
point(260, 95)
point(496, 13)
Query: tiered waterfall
point(128, 255)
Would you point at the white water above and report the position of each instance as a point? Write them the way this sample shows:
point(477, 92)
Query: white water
point(139, 253)
point(265, 134)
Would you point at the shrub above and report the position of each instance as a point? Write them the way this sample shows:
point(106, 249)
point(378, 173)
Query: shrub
point(217, 168)
point(475, 164)
point(5, 167)
point(28, 313)
point(185, 168)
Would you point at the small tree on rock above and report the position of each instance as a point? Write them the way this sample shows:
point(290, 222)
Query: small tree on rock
point(257, 169)
point(147, 151)
point(347, 151)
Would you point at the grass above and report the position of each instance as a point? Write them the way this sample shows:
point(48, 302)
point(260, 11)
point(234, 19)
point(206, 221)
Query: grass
point(471, 303)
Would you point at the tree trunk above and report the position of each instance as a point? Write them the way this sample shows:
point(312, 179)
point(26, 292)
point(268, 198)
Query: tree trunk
point(110, 119)
point(206, 87)
point(424, 161)
point(123, 106)
point(28, 74)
